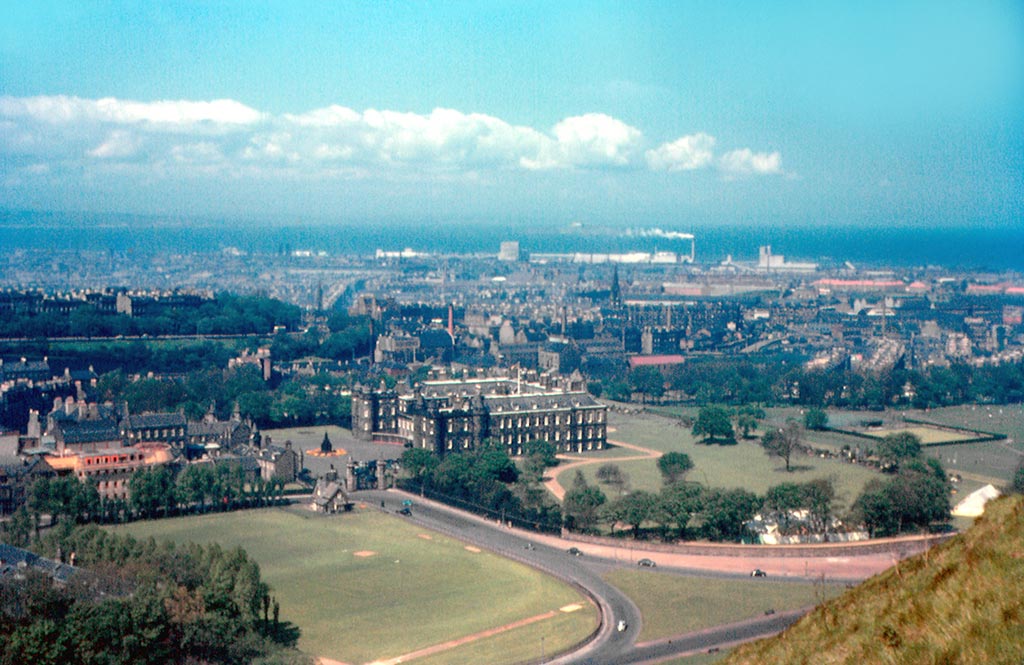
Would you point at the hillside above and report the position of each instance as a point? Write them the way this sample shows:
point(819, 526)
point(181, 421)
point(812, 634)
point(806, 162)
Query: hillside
point(962, 602)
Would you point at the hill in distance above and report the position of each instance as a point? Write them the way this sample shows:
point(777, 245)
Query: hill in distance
point(960, 602)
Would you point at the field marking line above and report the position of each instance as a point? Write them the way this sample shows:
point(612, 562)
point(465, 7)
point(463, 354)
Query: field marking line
point(451, 644)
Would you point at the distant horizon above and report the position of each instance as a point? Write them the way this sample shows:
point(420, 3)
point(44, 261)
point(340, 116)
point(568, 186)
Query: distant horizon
point(9, 217)
point(997, 249)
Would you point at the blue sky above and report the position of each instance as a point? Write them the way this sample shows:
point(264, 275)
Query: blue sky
point(674, 114)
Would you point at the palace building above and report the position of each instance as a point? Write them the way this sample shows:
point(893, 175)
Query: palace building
point(449, 416)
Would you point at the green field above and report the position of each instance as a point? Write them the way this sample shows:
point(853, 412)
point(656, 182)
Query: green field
point(365, 586)
point(744, 465)
point(675, 604)
point(928, 436)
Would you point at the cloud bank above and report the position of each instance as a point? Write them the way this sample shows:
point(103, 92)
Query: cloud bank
point(227, 138)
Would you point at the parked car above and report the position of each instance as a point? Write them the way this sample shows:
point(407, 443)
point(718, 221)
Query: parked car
point(646, 563)
point(575, 551)
point(622, 626)
point(405, 511)
point(757, 572)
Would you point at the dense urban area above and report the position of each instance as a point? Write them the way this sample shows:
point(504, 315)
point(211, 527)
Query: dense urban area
point(138, 386)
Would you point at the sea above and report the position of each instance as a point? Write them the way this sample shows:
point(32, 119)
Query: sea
point(998, 249)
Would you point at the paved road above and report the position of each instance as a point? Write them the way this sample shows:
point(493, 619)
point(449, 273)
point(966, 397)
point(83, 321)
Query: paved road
point(549, 554)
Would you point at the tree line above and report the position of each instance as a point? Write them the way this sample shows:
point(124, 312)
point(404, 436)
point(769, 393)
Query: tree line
point(132, 601)
point(913, 495)
point(154, 492)
point(299, 400)
point(782, 379)
point(225, 314)
point(486, 480)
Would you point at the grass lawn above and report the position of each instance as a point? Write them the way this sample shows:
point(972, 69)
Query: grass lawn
point(365, 586)
point(744, 465)
point(516, 646)
point(928, 436)
point(675, 604)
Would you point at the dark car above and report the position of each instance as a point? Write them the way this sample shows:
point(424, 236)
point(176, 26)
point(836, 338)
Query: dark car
point(405, 511)
point(757, 572)
point(646, 563)
point(575, 551)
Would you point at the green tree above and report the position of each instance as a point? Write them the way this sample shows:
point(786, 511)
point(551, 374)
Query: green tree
point(611, 474)
point(815, 419)
point(581, 504)
point(815, 497)
point(714, 425)
point(647, 381)
point(543, 449)
point(819, 496)
point(633, 509)
point(746, 423)
point(725, 511)
point(781, 500)
point(152, 491)
point(783, 441)
point(419, 463)
point(195, 485)
point(677, 503)
point(18, 530)
point(917, 496)
point(674, 466)
point(896, 448)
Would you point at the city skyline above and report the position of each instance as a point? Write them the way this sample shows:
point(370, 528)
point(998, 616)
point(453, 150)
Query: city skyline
point(646, 114)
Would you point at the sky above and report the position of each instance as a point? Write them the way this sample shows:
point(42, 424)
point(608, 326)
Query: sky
point(672, 114)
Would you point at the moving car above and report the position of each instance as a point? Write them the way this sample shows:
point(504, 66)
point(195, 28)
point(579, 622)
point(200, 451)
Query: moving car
point(757, 572)
point(575, 551)
point(622, 625)
point(646, 563)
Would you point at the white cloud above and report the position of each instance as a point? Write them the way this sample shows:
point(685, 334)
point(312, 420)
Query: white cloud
point(63, 109)
point(595, 139)
point(746, 162)
point(172, 138)
point(118, 144)
point(684, 154)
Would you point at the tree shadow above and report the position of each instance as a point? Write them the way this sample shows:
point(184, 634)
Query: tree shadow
point(793, 468)
point(285, 633)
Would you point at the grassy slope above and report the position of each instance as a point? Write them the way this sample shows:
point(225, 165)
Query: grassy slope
point(962, 602)
point(412, 593)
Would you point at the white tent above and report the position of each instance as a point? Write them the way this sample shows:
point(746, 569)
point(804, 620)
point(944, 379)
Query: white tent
point(973, 504)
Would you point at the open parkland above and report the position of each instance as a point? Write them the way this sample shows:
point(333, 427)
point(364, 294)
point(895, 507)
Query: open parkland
point(372, 587)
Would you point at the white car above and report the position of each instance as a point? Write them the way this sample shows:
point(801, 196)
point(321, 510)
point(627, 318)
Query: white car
point(621, 626)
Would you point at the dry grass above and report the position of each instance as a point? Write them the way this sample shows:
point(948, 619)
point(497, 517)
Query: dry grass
point(962, 602)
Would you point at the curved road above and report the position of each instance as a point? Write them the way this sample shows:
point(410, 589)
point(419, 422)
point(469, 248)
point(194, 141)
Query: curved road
point(546, 553)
